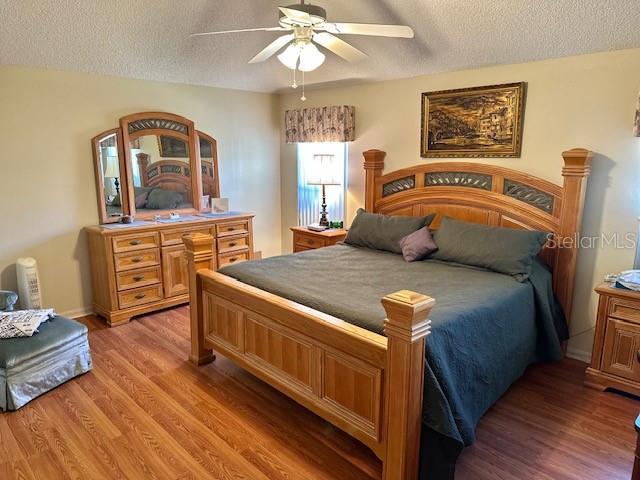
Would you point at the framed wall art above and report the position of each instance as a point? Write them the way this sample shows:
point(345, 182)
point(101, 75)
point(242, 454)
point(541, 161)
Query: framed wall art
point(473, 122)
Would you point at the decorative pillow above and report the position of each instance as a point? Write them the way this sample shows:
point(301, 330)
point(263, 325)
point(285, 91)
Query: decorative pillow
point(161, 199)
point(504, 250)
point(418, 245)
point(141, 195)
point(383, 232)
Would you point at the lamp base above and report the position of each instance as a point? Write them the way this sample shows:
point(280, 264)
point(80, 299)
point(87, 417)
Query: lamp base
point(323, 213)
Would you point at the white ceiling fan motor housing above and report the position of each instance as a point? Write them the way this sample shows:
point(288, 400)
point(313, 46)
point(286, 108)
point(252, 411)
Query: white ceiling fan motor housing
point(317, 16)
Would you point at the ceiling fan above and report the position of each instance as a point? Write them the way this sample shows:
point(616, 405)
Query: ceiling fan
point(307, 24)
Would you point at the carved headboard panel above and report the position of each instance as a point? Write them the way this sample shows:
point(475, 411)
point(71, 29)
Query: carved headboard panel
point(490, 195)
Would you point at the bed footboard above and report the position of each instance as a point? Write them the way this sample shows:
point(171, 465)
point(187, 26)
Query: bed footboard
point(366, 384)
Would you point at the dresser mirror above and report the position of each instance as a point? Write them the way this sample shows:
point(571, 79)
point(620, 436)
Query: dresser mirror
point(164, 166)
point(109, 168)
point(209, 165)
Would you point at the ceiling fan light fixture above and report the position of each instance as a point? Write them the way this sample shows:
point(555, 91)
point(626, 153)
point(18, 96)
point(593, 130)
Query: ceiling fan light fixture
point(310, 57)
point(289, 58)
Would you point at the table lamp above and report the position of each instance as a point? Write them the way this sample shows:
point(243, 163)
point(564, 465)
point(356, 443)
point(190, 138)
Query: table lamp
point(324, 173)
point(112, 169)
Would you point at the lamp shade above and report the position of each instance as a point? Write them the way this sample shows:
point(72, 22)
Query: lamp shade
point(324, 171)
point(112, 169)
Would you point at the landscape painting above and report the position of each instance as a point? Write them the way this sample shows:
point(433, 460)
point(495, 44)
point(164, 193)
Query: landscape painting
point(473, 122)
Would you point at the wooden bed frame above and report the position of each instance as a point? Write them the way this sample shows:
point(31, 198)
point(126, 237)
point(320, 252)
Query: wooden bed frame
point(366, 384)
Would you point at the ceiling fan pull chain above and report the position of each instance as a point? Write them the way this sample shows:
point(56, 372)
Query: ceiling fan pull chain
point(303, 98)
point(294, 84)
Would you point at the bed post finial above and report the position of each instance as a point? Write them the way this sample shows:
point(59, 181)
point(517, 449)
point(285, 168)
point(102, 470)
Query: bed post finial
point(406, 327)
point(199, 257)
point(373, 166)
point(577, 166)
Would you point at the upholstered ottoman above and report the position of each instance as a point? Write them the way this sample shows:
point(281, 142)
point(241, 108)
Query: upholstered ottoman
point(31, 366)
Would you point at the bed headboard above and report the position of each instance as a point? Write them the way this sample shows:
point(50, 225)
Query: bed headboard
point(491, 195)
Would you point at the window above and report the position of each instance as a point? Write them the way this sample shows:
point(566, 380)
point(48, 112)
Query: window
point(310, 196)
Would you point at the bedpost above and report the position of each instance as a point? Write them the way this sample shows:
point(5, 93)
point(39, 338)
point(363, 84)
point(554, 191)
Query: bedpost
point(406, 327)
point(373, 166)
point(199, 257)
point(577, 166)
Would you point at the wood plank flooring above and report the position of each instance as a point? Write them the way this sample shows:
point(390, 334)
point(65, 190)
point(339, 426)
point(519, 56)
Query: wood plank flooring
point(144, 412)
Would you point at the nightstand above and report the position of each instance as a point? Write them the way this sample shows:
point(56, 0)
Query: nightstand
point(305, 239)
point(615, 361)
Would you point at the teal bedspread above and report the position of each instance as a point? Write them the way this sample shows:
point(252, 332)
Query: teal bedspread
point(486, 327)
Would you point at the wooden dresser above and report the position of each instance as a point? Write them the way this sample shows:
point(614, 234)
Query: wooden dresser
point(305, 239)
point(142, 268)
point(615, 361)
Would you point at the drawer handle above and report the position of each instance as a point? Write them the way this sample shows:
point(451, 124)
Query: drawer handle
point(231, 229)
point(638, 355)
point(134, 242)
point(185, 234)
point(309, 241)
point(231, 260)
point(137, 278)
point(232, 244)
point(136, 259)
point(140, 296)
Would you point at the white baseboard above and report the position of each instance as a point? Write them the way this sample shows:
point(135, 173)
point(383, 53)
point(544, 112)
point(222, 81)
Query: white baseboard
point(577, 354)
point(76, 312)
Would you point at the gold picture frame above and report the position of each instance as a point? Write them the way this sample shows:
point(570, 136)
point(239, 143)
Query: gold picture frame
point(473, 122)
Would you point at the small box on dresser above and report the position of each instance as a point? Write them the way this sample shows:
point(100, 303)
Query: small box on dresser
point(615, 360)
point(141, 269)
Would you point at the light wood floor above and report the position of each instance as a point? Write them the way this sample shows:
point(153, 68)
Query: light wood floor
point(144, 412)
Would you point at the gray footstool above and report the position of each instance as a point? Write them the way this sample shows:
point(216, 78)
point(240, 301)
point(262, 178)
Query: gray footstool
point(31, 366)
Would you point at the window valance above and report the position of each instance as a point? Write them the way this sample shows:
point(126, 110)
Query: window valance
point(320, 124)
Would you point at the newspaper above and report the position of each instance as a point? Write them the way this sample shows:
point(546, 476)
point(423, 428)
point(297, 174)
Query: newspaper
point(23, 323)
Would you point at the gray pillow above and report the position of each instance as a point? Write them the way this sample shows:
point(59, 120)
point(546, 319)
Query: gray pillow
point(161, 199)
point(383, 232)
point(418, 245)
point(504, 250)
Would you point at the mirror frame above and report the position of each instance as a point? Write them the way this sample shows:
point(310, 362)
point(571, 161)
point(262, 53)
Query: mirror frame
point(214, 148)
point(99, 177)
point(131, 130)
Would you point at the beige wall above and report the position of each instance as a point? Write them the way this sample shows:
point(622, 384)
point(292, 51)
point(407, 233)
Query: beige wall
point(586, 101)
point(47, 192)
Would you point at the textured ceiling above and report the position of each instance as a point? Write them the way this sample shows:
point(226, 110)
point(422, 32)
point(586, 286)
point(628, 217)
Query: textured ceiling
point(149, 38)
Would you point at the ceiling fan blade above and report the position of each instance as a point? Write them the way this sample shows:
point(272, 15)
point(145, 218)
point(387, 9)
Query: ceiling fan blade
point(339, 47)
point(398, 31)
point(265, 29)
point(296, 15)
point(272, 48)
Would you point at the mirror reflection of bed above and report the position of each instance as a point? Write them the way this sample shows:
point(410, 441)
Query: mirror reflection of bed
point(161, 173)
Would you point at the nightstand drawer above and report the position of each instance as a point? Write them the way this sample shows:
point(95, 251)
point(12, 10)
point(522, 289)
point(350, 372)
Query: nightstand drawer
point(232, 244)
point(622, 349)
point(140, 277)
point(233, 258)
point(624, 309)
point(145, 258)
point(308, 241)
point(140, 296)
point(140, 241)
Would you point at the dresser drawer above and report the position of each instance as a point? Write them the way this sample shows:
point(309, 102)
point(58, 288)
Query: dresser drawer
point(299, 248)
point(140, 296)
point(140, 277)
point(144, 258)
point(233, 244)
point(624, 309)
point(232, 258)
point(309, 241)
point(622, 349)
point(237, 227)
point(140, 241)
point(174, 237)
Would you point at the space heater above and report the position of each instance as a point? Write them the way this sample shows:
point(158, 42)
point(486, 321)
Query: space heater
point(29, 293)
